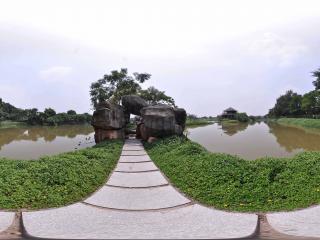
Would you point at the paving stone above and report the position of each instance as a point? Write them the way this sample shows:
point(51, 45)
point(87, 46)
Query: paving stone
point(80, 221)
point(6, 219)
point(143, 158)
point(133, 148)
point(137, 199)
point(133, 153)
point(142, 179)
point(136, 167)
point(300, 223)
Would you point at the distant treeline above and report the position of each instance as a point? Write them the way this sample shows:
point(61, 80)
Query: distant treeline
point(293, 104)
point(35, 117)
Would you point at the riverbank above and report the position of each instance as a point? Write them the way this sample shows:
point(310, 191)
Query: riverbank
point(11, 124)
point(231, 183)
point(56, 180)
point(198, 122)
point(300, 122)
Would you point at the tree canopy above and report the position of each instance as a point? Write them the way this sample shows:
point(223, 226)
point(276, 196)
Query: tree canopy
point(119, 83)
point(292, 104)
point(154, 96)
point(316, 82)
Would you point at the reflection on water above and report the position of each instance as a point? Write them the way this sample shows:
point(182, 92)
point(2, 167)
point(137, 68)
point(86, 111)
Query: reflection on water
point(33, 142)
point(253, 141)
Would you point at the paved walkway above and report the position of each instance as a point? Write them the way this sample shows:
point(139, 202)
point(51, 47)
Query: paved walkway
point(138, 202)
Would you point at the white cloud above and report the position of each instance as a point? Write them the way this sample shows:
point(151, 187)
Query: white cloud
point(55, 73)
point(275, 48)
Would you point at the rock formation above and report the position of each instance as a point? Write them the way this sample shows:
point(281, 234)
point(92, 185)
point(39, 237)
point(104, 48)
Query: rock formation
point(109, 120)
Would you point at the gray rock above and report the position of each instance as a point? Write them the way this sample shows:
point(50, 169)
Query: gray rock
point(108, 116)
point(158, 121)
point(133, 104)
point(181, 117)
point(101, 134)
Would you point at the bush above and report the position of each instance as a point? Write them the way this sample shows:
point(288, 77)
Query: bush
point(56, 180)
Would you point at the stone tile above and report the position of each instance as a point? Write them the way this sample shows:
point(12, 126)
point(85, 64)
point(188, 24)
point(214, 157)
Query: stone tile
point(142, 179)
point(133, 148)
point(6, 219)
point(80, 221)
point(300, 223)
point(143, 158)
point(137, 199)
point(133, 153)
point(136, 167)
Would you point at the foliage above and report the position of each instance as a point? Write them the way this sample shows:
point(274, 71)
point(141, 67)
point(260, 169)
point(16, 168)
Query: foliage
point(300, 122)
point(311, 103)
point(242, 117)
point(294, 105)
point(316, 82)
point(115, 85)
point(56, 180)
point(71, 112)
point(154, 96)
point(118, 83)
point(34, 117)
point(65, 118)
point(288, 104)
point(229, 182)
point(49, 112)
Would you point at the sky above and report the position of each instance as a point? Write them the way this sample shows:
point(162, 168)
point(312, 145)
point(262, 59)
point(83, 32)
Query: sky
point(207, 55)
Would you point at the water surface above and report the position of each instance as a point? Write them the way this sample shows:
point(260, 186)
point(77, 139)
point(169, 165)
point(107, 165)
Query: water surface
point(255, 140)
point(33, 142)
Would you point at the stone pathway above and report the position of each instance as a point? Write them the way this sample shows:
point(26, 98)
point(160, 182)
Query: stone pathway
point(138, 202)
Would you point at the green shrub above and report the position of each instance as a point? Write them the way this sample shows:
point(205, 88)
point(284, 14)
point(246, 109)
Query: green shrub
point(56, 180)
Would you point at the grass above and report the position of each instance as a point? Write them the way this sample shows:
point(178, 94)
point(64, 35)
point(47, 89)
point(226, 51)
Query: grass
point(11, 124)
point(55, 181)
point(197, 122)
point(300, 122)
point(231, 183)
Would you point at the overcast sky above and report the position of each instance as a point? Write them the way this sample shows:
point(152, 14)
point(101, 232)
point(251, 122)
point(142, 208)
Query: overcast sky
point(207, 55)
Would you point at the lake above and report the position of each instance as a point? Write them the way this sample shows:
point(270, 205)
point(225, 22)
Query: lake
point(256, 140)
point(248, 141)
point(33, 142)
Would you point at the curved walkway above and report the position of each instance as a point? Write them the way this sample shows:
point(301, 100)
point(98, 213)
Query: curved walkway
point(138, 202)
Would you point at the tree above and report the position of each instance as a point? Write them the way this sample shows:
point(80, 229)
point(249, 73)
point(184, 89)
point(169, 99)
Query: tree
point(115, 85)
point(288, 104)
point(154, 96)
point(316, 82)
point(49, 112)
point(71, 112)
point(311, 102)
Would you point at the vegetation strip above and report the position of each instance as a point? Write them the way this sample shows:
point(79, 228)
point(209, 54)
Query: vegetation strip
point(55, 181)
point(231, 183)
point(300, 122)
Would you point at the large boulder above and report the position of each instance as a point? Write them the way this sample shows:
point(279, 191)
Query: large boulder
point(133, 104)
point(158, 121)
point(102, 134)
point(108, 122)
point(108, 116)
point(181, 117)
